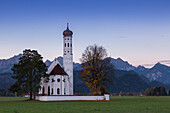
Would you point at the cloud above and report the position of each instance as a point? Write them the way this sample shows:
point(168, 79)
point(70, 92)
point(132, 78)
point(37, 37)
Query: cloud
point(163, 36)
point(165, 61)
point(147, 65)
point(168, 63)
point(122, 37)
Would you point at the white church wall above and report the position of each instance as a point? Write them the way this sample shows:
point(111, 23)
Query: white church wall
point(62, 85)
point(55, 83)
point(106, 96)
point(67, 85)
point(45, 85)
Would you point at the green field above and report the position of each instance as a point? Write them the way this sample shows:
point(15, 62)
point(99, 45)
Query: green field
point(116, 105)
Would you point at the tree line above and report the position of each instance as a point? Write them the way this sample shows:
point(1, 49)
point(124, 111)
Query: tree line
point(156, 91)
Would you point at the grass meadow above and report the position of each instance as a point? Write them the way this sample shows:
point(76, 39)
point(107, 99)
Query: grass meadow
point(115, 105)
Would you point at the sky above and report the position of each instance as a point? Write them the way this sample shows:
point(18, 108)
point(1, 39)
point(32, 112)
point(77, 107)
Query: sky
point(138, 31)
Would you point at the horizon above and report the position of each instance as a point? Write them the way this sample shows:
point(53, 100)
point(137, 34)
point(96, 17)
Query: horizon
point(135, 31)
point(148, 67)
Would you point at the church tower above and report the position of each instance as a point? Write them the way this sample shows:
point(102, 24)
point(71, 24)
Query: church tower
point(68, 59)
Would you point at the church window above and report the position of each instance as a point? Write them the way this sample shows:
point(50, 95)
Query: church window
point(48, 90)
point(68, 44)
point(71, 45)
point(43, 90)
point(68, 51)
point(52, 80)
point(58, 91)
point(52, 91)
point(58, 80)
point(64, 91)
point(68, 38)
point(65, 44)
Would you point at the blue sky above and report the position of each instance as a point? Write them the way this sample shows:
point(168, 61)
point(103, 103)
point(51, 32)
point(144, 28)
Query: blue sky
point(135, 30)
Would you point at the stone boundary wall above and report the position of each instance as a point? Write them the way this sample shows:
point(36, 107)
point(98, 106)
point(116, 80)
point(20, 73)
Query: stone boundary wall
point(70, 98)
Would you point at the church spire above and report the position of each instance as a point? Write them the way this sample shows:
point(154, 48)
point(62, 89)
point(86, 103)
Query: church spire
point(67, 32)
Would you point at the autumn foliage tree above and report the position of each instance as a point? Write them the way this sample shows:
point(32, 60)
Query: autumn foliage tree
point(28, 73)
point(96, 68)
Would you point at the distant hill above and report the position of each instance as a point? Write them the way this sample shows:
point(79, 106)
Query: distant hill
point(122, 65)
point(158, 72)
point(6, 64)
point(126, 81)
point(6, 80)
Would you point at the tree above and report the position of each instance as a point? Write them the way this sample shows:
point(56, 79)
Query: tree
point(146, 92)
point(29, 72)
point(96, 68)
point(156, 91)
point(103, 90)
point(121, 93)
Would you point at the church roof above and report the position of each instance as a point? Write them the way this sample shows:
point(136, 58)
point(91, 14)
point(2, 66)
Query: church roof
point(55, 68)
point(58, 70)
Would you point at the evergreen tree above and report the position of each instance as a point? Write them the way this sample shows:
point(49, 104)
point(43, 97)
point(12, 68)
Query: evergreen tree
point(97, 68)
point(29, 72)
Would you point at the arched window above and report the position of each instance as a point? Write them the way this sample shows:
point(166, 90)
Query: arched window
point(71, 45)
point(43, 90)
point(65, 44)
point(52, 80)
point(48, 90)
point(68, 44)
point(52, 91)
point(58, 91)
point(58, 80)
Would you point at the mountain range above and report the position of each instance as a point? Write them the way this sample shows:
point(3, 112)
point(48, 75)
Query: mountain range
point(7, 64)
point(158, 72)
point(127, 77)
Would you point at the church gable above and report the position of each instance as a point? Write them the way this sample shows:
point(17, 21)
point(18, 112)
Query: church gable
point(58, 70)
point(53, 65)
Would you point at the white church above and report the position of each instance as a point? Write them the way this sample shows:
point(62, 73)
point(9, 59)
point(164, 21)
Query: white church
point(60, 84)
point(61, 78)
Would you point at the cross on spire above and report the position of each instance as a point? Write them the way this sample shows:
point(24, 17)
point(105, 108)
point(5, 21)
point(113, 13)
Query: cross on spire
point(67, 24)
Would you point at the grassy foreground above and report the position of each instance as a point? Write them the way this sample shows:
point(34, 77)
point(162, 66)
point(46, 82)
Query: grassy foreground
point(116, 105)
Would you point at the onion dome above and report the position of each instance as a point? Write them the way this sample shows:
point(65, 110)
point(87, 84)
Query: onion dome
point(67, 32)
